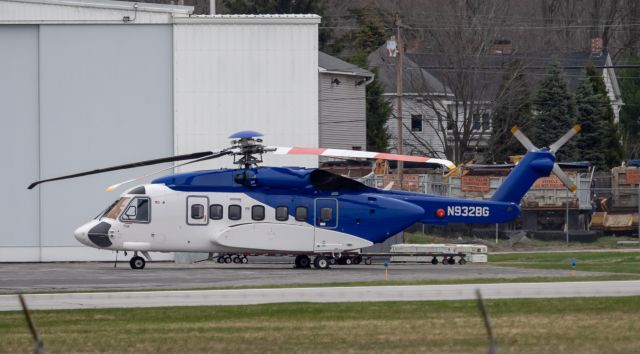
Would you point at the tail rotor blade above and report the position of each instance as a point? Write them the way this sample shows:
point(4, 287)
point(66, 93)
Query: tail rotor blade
point(563, 140)
point(564, 178)
point(518, 134)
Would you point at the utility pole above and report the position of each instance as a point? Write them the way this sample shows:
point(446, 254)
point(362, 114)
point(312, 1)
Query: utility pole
point(399, 79)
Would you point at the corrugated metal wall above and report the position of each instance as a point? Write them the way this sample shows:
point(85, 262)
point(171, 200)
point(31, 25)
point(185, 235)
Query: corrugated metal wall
point(234, 74)
point(19, 147)
point(78, 97)
point(342, 112)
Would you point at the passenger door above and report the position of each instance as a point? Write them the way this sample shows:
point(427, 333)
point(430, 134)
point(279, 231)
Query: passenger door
point(197, 210)
point(326, 213)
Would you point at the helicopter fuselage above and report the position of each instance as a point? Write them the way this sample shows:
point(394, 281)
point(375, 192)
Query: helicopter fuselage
point(267, 209)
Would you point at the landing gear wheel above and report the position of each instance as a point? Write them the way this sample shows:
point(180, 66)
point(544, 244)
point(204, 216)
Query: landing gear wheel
point(236, 260)
point(221, 259)
point(367, 261)
point(452, 261)
point(321, 262)
point(304, 261)
point(434, 260)
point(227, 259)
point(462, 261)
point(357, 259)
point(244, 260)
point(137, 262)
point(445, 261)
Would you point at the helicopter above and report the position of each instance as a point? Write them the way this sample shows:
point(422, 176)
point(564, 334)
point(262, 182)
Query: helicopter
point(307, 212)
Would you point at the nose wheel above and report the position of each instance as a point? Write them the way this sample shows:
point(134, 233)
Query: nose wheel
point(137, 262)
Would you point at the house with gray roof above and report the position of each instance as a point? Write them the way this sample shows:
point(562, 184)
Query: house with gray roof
point(423, 78)
point(342, 107)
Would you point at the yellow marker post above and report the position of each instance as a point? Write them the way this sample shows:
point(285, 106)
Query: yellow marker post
point(386, 270)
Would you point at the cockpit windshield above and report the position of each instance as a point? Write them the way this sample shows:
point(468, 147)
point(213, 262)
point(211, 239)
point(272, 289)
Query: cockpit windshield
point(116, 208)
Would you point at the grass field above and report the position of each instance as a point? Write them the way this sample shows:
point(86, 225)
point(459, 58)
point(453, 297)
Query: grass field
point(615, 262)
point(581, 325)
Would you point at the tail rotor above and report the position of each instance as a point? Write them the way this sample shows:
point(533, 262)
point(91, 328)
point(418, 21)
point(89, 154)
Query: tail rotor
point(553, 148)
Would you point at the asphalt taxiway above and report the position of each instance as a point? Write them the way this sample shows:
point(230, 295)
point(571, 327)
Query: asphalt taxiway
point(51, 277)
point(325, 294)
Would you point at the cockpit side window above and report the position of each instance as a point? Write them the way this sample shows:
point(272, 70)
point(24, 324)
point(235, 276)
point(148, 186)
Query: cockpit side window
point(116, 208)
point(137, 210)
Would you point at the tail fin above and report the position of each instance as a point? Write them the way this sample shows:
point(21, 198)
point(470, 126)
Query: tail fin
point(534, 165)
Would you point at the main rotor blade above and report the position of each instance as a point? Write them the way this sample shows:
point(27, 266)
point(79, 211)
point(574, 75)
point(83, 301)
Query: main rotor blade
point(523, 139)
point(196, 155)
point(563, 140)
point(564, 178)
point(356, 154)
point(214, 156)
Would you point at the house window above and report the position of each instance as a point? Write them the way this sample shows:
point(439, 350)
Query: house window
point(356, 148)
point(486, 121)
point(416, 122)
point(449, 121)
point(476, 121)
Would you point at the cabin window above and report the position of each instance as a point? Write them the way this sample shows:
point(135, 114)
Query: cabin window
point(215, 211)
point(301, 213)
point(326, 214)
point(197, 211)
point(137, 211)
point(257, 212)
point(235, 212)
point(282, 213)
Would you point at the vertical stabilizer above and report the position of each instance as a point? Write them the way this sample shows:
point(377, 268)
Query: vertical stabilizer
point(534, 165)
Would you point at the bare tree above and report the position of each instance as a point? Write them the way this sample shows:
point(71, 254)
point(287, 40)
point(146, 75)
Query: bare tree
point(458, 84)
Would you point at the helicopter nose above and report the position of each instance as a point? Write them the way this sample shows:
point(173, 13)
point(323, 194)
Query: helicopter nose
point(81, 234)
point(94, 233)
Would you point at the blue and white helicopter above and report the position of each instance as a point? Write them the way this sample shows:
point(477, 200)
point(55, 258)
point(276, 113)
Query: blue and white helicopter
point(307, 212)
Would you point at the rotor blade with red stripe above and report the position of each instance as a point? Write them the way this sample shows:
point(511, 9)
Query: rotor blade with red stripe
point(357, 154)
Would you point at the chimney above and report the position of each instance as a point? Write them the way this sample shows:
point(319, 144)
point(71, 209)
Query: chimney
point(502, 46)
point(596, 47)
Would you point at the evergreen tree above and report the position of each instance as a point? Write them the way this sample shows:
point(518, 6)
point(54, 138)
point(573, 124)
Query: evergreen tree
point(610, 135)
point(555, 112)
point(589, 143)
point(371, 35)
point(513, 107)
point(630, 112)
point(378, 111)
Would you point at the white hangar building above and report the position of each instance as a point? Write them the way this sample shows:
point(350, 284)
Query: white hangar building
point(95, 83)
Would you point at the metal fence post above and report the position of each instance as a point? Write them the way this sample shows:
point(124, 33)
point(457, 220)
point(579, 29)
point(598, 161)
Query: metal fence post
point(567, 218)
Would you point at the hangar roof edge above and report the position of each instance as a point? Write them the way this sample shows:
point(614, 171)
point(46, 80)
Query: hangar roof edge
point(114, 5)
